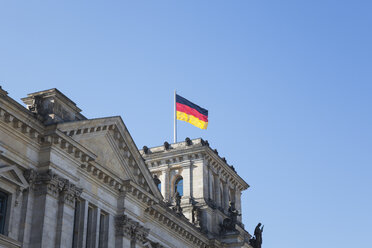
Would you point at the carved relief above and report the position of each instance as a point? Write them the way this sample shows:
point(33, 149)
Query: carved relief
point(69, 193)
point(131, 229)
point(50, 183)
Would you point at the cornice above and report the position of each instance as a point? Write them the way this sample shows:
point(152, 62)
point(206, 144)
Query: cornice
point(192, 150)
point(126, 148)
point(178, 224)
point(19, 112)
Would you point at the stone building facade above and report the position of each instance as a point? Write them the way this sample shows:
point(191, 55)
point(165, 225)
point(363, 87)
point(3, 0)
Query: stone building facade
point(68, 181)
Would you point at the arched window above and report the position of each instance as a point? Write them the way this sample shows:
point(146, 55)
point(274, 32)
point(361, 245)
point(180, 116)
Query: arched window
point(178, 186)
point(159, 186)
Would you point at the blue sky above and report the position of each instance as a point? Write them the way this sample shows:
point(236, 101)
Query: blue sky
point(287, 85)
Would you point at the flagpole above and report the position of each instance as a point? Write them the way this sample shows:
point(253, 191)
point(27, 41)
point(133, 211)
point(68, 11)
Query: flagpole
point(175, 119)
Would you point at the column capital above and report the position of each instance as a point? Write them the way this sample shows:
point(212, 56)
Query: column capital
point(131, 229)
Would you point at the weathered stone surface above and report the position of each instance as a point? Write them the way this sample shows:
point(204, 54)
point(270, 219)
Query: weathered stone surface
point(75, 182)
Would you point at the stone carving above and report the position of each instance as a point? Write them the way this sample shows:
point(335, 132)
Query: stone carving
point(188, 141)
point(204, 143)
point(50, 183)
point(3, 92)
point(166, 145)
point(70, 192)
point(215, 151)
point(156, 180)
point(177, 208)
point(36, 105)
point(228, 224)
point(145, 149)
point(30, 176)
point(196, 216)
point(256, 242)
point(131, 229)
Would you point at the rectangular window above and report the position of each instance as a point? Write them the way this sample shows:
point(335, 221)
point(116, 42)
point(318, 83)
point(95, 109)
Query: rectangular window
point(103, 230)
point(3, 206)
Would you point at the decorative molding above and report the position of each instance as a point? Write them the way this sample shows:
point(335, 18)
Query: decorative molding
point(21, 126)
point(17, 178)
point(177, 223)
point(47, 182)
point(192, 150)
point(69, 193)
point(121, 144)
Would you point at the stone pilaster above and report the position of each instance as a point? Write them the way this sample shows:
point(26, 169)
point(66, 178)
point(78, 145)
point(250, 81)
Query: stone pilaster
point(47, 187)
point(187, 183)
point(166, 194)
point(66, 211)
point(53, 199)
point(217, 190)
point(225, 204)
point(238, 204)
point(162, 180)
point(81, 218)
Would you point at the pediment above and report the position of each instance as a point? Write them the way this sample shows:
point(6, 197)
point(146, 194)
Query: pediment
point(110, 140)
point(108, 155)
point(14, 175)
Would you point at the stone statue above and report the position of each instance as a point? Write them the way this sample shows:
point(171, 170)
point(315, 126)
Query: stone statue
point(166, 145)
point(256, 242)
point(233, 213)
point(178, 199)
point(156, 180)
point(196, 216)
point(145, 149)
point(178, 208)
point(229, 223)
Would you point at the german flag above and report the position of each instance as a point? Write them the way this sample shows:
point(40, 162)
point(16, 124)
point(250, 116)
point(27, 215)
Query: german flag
point(191, 113)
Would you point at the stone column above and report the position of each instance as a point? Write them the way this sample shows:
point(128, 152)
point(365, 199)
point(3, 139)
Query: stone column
point(47, 188)
point(91, 227)
point(211, 184)
point(66, 211)
point(162, 180)
point(206, 183)
point(187, 182)
point(81, 218)
point(167, 188)
point(96, 224)
point(238, 204)
point(226, 196)
point(26, 217)
point(27, 208)
point(217, 190)
point(111, 231)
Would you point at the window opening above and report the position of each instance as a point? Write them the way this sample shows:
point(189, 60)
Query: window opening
point(3, 205)
point(179, 186)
